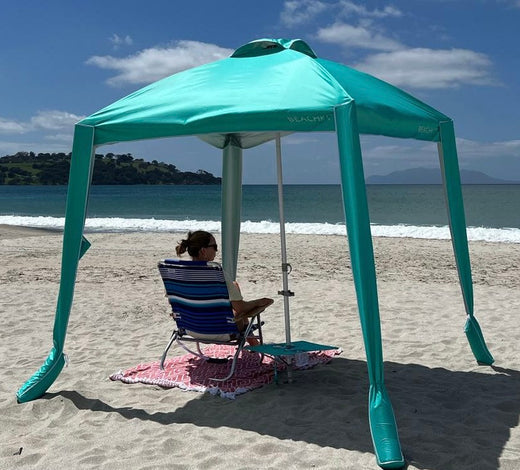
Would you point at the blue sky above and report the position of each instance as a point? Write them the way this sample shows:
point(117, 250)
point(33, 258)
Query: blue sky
point(63, 60)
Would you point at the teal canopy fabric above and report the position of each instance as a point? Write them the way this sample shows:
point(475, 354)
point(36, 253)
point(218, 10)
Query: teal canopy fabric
point(268, 88)
point(247, 99)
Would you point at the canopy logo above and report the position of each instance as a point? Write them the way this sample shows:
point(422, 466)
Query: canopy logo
point(425, 130)
point(311, 118)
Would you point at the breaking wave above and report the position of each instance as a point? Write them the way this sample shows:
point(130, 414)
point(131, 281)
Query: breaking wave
point(119, 224)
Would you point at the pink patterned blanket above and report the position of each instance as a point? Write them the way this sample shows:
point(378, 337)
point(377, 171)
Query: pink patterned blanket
point(192, 373)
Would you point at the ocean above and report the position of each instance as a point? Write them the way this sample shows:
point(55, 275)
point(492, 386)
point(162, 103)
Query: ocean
point(416, 211)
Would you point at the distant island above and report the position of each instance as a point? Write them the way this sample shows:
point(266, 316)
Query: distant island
point(28, 168)
point(433, 176)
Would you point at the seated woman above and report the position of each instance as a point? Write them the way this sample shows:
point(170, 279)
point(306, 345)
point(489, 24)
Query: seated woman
point(201, 246)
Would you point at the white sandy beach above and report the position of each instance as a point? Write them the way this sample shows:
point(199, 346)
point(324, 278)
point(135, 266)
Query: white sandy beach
point(451, 412)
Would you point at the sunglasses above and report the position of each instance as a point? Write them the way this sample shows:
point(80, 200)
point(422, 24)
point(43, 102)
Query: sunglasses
point(214, 245)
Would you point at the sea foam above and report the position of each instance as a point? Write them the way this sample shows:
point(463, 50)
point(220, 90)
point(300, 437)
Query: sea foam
point(119, 224)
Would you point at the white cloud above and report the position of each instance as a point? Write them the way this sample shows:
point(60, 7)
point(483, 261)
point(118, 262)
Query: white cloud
point(430, 69)
point(397, 63)
point(470, 149)
point(153, 64)
point(357, 36)
point(54, 120)
point(382, 155)
point(511, 3)
point(44, 120)
point(8, 126)
point(408, 152)
point(300, 139)
point(415, 153)
point(299, 12)
point(347, 8)
point(118, 41)
point(10, 147)
point(67, 138)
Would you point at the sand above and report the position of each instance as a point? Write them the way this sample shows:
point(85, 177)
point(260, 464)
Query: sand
point(451, 412)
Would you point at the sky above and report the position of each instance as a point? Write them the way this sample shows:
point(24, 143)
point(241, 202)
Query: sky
point(62, 60)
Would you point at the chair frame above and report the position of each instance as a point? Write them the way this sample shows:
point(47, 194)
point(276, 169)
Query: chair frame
point(238, 339)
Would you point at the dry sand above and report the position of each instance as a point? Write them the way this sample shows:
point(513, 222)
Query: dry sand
point(451, 412)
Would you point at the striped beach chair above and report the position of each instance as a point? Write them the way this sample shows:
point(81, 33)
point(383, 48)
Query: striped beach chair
point(199, 298)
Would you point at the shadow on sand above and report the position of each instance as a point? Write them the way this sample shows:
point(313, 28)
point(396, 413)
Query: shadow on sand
point(467, 415)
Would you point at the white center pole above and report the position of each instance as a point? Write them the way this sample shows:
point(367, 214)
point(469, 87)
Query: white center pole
point(285, 266)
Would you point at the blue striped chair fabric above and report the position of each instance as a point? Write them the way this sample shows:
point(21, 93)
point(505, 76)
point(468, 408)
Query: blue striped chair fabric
point(199, 298)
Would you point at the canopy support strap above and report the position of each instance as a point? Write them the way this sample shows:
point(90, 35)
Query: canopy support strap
point(454, 202)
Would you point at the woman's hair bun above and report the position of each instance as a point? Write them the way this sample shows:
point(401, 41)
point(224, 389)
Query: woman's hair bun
point(181, 247)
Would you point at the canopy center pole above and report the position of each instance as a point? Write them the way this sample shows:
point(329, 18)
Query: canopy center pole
point(286, 268)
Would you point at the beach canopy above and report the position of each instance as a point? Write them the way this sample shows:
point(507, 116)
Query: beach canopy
point(269, 88)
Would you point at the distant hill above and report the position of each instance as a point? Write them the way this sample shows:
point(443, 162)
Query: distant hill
point(27, 168)
point(433, 176)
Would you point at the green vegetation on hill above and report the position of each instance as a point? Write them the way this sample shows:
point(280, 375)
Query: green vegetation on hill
point(53, 169)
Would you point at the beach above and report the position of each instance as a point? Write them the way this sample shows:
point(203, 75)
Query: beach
point(451, 412)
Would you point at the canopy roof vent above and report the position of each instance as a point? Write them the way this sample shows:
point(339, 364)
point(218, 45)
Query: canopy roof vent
point(271, 46)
